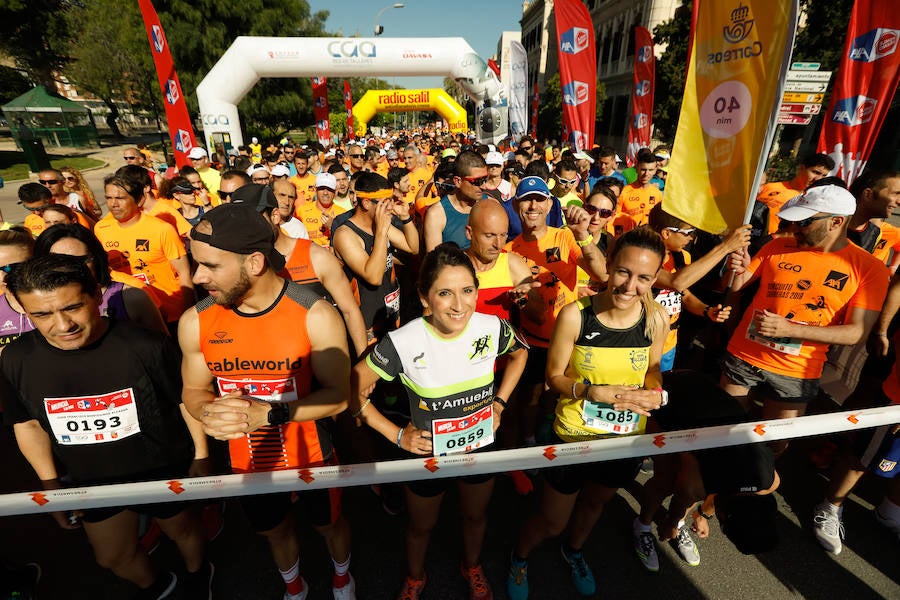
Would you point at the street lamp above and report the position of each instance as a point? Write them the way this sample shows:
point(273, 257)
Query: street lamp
point(378, 28)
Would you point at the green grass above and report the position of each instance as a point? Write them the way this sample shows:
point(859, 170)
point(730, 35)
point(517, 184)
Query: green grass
point(13, 165)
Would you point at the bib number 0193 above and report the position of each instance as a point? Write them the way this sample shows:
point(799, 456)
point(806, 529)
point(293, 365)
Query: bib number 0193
point(95, 425)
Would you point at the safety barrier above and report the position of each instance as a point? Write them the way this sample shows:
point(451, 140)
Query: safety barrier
point(457, 465)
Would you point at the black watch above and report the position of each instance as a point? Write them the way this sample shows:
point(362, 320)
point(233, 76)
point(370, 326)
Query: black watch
point(408, 219)
point(279, 414)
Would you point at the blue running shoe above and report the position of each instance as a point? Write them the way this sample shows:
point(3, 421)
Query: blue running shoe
point(582, 578)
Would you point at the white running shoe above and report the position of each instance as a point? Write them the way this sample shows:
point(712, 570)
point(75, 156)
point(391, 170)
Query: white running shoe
point(828, 527)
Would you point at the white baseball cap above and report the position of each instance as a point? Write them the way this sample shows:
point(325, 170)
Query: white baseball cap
point(196, 153)
point(830, 199)
point(582, 155)
point(494, 158)
point(256, 167)
point(280, 170)
point(326, 180)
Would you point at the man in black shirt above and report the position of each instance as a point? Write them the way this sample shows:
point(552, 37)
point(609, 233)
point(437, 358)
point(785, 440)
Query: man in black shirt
point(116, 424)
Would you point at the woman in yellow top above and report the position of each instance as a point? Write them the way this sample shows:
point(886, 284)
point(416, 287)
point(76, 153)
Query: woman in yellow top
point(603, 361)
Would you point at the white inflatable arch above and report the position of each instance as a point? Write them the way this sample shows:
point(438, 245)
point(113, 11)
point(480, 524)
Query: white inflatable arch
point(250, 58)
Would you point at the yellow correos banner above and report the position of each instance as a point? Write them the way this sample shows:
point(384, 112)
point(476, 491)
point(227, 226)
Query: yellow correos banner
point(436, 99)
point(739, 59)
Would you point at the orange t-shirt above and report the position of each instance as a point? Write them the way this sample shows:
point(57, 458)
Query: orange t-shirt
point(311, 215)
point(164, 211)
point(36, 225)
point(636, 201)
point(774, 195)
point(553, 261)
point(888, 243)
point(268, 356)
point(619, 224)
point(810, 287)
point(417, 180)
point(306, 187)
point(134, 282)
point(145, 250)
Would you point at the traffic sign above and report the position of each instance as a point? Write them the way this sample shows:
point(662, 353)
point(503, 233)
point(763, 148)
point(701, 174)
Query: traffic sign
point(802, 98)
point(804, 109)
point(810, 87)
point(808, 75)
point(791, 119)
point(805, 66)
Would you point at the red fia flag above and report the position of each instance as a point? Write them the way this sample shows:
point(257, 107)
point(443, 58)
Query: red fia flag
point(348, 105)
point(866, 83)
point(577, 71)
point(181, 131)
point(320, 110)
point(642, 95)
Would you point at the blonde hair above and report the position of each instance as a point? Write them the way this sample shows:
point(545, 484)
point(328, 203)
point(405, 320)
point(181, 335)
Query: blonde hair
point(90, 201)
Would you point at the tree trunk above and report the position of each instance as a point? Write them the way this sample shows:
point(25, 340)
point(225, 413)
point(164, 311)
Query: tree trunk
point(111, 118)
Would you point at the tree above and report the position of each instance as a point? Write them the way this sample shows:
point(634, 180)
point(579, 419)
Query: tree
point(550, 109)
point(35, 34)
point(12, 84)
point(671, 70)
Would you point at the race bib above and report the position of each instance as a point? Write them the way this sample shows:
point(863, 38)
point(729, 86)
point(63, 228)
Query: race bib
point(93, 419)
point(266, 390)
point(463, 434)
point(671, 301)
point(142, 276)
point(602, 417)
point(392, 301)
point(785, 345)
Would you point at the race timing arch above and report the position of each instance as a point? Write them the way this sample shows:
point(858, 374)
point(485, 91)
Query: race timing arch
point(251, 58)
point(436, 99)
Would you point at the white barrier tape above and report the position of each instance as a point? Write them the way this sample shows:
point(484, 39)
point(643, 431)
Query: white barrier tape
point(201, 488)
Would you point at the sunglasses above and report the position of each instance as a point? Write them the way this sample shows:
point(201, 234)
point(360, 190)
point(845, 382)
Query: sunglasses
point(565, 181)
point(476, 181)
point(70, 178)
point(809, 221)
point(48, 181)
point(197, 187)
point(604, 213)
point(132, 157)
point(225, 196)
point(526, 148)
point(356, 155)
point(38, 209)
point(687, 232)
point(7, 268)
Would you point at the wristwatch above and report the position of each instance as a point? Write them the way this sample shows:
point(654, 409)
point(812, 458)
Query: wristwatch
point(279, 414)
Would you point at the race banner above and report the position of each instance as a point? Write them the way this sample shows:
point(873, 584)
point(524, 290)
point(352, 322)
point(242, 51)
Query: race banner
point(348, 106)
point(577, 71)
point(535, 103)
point(866, 83)
point(181, 131)
point(518, 89)
point(320, 110)
point(642, 96)
point(739, 61)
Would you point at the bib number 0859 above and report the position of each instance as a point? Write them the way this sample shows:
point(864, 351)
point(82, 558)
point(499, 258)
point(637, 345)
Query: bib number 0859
point(465, 440)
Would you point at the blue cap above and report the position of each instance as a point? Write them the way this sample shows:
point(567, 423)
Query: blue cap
point(532, 185)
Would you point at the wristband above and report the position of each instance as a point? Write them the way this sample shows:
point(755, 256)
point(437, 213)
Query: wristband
point(279, 414)
point(407, 220)
point(400, 438)
point(362, 408)
point(704, 515)
point(583, 243)
point(664, 394)
point(500, 401)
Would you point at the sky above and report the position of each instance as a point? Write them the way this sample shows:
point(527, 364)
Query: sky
point(479, 22)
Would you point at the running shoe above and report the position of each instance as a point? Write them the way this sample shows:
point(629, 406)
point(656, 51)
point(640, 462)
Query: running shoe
point(412, 589)
point(343, 587)
point(479, 589)
point(199, 585)
point(517, 580)
point(685, 546)
point(582, 578)
point(645, 547)
point(888, 523)
point(20, 582)
point(301, 596)
point(828, 527)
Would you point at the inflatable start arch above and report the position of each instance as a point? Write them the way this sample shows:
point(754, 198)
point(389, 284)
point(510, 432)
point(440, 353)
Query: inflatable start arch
point(436, 99)
point(250, 58)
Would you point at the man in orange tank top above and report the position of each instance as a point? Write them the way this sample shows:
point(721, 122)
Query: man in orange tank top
point(253, 338)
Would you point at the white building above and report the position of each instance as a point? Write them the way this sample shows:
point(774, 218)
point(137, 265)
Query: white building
point(614, 22)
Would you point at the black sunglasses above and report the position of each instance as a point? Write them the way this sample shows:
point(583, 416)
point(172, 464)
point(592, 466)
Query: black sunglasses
point(7, 268)
point(809, 221)
point(476, 181)
point(225, 195)
point(48, 181)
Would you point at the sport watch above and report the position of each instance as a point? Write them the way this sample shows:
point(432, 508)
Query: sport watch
point(279, 414)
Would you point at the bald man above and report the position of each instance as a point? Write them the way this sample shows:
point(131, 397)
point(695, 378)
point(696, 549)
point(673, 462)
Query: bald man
point(504, 278)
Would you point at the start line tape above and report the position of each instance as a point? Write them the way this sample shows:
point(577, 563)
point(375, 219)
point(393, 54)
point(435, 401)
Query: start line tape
point(201, 488)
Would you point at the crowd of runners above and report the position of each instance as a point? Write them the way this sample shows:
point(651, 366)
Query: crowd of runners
point(284, 306)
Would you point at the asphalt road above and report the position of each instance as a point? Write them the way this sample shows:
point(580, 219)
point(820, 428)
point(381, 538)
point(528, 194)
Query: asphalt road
point(869, 566)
